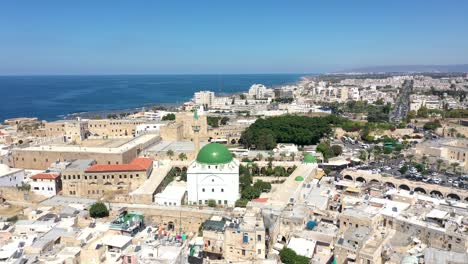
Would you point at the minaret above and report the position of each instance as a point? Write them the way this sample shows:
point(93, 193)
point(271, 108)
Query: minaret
point(196, 132)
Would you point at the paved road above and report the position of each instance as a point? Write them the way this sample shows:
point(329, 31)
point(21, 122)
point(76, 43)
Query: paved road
point(402, 104)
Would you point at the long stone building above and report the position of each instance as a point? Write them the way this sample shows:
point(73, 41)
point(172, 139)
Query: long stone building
point(41, 157)
point(84, 178)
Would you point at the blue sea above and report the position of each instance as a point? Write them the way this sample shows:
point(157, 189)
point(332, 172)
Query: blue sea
point(53, 97)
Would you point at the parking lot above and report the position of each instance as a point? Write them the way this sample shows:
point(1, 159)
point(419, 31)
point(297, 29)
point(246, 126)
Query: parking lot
point(393, 166)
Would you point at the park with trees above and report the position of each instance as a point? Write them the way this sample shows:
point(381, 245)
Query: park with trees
point(264, 134)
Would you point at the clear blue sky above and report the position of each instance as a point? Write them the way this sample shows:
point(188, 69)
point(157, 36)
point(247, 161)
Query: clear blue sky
point(106, 37)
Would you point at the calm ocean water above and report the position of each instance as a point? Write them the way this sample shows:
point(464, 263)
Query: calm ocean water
point(52, 97)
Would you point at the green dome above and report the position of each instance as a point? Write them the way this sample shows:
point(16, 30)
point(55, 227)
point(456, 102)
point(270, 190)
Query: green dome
point(299, 178)
point(214, 153)
point(309, 159)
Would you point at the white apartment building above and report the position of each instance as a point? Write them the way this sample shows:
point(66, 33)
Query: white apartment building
point(258, 91)
point(223, 102)
point(149, 128)
point(430, 102)
point(204, 98)
point(11, 177)
point(46, 184)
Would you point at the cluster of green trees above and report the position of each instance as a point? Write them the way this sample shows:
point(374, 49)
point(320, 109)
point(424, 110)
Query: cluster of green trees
point(98, 210)
point(433, 125)
point(168, 117)
point(289, 256)
point(329, 151)
point(456, 113)
point(264, 134)
point(170, 177)
point(215, 121)
point(386, 152)
point(120, 115)
point(377, 112)
point(424, 112)
point(249, 191)
point(283, 100)
point(277, 171)
point(460, 94)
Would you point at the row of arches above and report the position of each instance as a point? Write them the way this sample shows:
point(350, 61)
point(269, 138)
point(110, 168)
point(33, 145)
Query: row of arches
point(421, 190)
point(179, 169)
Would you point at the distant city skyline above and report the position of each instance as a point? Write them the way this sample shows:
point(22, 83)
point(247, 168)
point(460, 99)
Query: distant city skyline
point(217, 37)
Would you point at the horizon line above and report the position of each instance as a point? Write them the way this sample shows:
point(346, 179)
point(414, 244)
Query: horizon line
point(140, 74)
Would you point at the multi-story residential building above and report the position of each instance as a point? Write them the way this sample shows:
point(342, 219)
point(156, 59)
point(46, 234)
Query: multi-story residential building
point(245, 239)
point(450, 150)
point(259, 91)
point(430, 102)
point(46, 184)
point(205, 98)
point(239, 239)
point(11, 177)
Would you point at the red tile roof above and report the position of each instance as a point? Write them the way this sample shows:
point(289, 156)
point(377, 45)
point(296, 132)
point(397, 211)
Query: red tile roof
point(142, 162)
point(138, 164)
point(45, 176)
point(260, 200)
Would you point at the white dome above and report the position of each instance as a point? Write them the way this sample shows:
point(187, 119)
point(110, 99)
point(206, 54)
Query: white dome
point(4, 168)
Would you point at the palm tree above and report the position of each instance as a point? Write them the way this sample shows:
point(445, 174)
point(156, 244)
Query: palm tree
point(259, 156)
point(455, 166)
point(376, 151)
point(271, 153)
point(363, 154)
point(170, 153)
point(452, 132)
point(182, 156)
point(439, 164)
point(283, 155)
point(410, 157)
point(424, 159)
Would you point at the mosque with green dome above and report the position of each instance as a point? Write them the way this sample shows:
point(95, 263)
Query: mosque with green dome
point(214, 175)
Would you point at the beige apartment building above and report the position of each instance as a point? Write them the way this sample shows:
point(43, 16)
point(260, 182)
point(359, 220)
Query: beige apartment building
point(97, 180)
point(450, 150)
point(359, 245)
point(240, 239)
point(246, 240)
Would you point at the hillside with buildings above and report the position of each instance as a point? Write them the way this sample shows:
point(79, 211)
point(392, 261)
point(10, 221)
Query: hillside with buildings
point(331, 169)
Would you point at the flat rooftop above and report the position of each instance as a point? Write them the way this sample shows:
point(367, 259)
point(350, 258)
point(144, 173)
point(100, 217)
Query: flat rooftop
point(79, 165)
point(176, 146)
point(74, 148)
